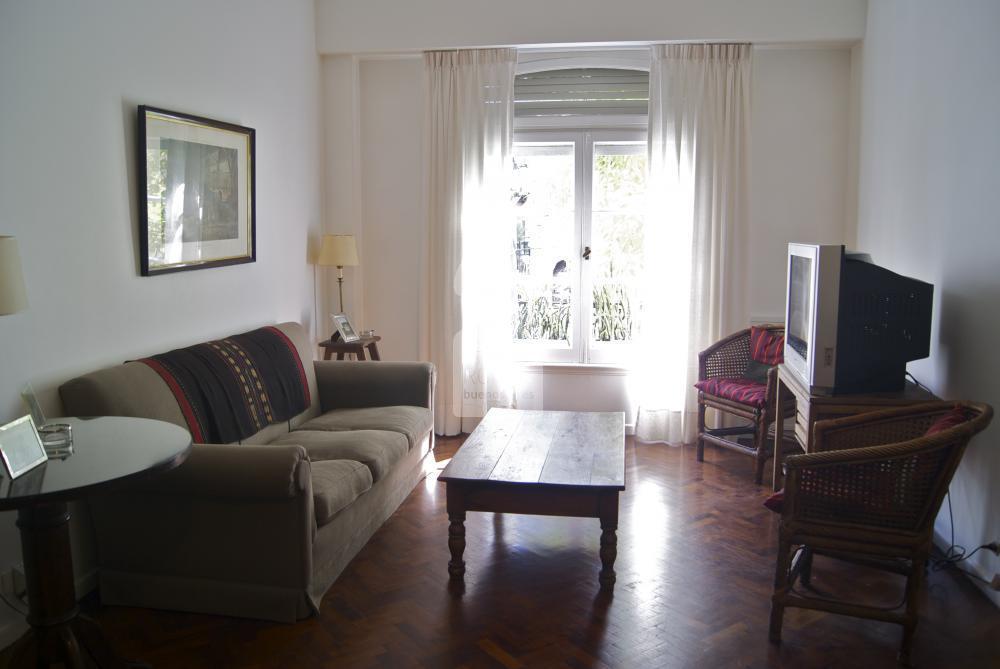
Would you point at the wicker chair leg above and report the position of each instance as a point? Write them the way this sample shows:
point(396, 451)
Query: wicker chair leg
point(914, 586)
point(780, 590)
point(758, 469)
point(761, 452)
point(701, 432)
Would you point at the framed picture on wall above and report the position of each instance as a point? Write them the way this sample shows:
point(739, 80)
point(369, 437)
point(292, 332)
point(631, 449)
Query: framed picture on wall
point(196, 192)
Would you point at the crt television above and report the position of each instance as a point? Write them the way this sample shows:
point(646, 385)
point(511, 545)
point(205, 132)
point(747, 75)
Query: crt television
point(850, 325)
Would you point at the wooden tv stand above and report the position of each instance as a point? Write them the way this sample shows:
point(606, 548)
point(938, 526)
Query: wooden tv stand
point(810, 408)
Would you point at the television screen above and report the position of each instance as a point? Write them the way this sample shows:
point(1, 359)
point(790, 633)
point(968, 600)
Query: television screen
point(800, 306)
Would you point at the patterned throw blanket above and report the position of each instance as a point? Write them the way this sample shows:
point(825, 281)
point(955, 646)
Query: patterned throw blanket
point(231, 388)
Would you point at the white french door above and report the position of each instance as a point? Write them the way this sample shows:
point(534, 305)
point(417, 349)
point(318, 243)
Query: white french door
point(579, 198)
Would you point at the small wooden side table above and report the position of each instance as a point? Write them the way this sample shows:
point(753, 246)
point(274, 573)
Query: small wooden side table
point(810, 408)
point(341, 348)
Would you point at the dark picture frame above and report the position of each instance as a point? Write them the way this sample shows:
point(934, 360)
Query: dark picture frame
point(196, 190)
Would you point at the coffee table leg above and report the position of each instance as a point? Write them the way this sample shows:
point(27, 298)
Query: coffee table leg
point(456, 543)
point(609, 540)
point(609, 551)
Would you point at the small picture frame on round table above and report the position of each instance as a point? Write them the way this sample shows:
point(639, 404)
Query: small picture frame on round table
point(20, 446)
point(344, 327)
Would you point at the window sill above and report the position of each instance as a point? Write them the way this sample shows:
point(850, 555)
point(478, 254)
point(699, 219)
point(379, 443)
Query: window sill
point(589, 369)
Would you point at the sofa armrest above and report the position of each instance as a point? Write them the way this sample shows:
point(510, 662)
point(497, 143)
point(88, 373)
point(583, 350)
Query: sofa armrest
point(230, 517)
point(235, 472)
point(354, 385)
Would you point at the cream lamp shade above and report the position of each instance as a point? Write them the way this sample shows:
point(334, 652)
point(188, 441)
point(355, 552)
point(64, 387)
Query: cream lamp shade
point(12, 295)
point(338, 251)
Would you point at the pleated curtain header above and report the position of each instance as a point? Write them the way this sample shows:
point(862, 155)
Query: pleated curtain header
point(467, 57)
point(732, 53)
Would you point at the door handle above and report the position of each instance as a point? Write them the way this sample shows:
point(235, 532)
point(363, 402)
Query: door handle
point(586, 253)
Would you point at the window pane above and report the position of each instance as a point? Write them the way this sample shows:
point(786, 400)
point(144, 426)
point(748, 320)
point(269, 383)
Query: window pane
point(543, 198)
point(617, 239)
point(619, 177)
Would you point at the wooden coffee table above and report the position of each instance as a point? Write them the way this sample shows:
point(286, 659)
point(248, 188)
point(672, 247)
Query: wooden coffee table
point(550, 463)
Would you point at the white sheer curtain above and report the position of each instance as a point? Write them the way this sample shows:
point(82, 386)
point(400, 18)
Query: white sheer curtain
point(469, 127)
point(699, 98)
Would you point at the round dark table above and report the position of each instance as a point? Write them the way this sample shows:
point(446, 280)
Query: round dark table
point(106, 451)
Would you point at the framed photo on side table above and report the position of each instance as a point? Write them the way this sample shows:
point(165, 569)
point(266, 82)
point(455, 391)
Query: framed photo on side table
point(344, 327)
point(196, 192)
point(31, 402)
point(20, 446)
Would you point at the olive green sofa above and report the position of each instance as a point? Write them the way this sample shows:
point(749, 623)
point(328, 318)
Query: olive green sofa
point(261, 528)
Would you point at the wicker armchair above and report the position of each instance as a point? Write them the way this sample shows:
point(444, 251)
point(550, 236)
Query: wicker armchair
point(869, 493)
point(728, 359)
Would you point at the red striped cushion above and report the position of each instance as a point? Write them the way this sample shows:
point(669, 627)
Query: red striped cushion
point(737, 390)
point(953, 418)
point(776, 502)
point(766, 346)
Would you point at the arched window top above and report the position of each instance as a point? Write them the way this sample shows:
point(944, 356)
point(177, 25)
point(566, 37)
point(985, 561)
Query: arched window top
point(581, 92)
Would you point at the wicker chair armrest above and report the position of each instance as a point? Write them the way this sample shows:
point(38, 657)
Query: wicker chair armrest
point(888, 426)
point(819, 460)
point(772, 387)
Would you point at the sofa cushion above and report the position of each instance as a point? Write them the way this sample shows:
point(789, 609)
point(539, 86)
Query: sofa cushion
point(304, 343)
point(414, 422)
point(134, 389)
point(267, 435)
point(377, 449)
point(231, 388)
point(337, 483)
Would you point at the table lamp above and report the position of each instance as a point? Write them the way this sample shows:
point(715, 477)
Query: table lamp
point(338, 251)
point(12, 295)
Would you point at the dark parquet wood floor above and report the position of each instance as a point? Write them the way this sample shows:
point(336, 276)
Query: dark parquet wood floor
point(695, 561)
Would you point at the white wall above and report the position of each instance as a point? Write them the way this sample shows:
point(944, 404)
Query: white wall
point(373, 124)
point(929, 195)
point(798, 163)
point(71, 75)
point(348, 26)
point(574, 388)
point(395, 227)
point(341, 187)
point(799, 139)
